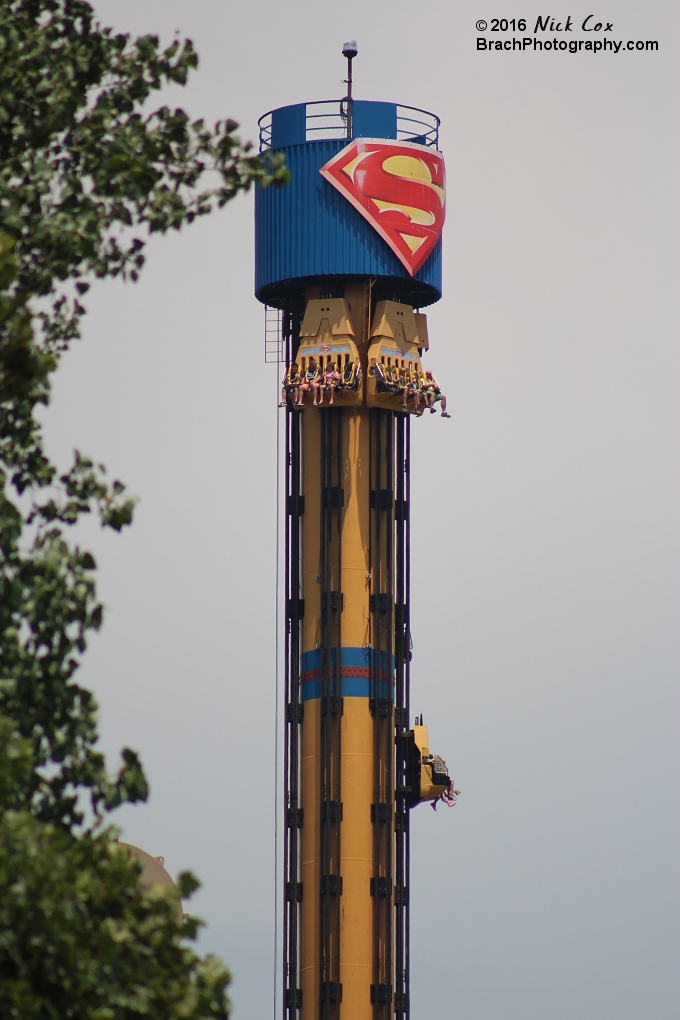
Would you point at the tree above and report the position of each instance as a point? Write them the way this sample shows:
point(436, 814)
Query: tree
point(84, 171)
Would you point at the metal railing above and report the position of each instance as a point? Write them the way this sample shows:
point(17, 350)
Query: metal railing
point(327, 119)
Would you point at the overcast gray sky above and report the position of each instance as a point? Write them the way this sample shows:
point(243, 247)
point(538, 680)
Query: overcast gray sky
point(545, 513)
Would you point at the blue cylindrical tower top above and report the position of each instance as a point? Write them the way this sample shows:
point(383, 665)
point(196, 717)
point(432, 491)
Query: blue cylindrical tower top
point(366, 199)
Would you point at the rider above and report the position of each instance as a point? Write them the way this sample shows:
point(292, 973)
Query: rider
point(412, 388)
point(394, 383)
point(427, 392)
point(311, 380)
point(380, 378)
point(330, 380)
point(290, 385)
point(436, 394)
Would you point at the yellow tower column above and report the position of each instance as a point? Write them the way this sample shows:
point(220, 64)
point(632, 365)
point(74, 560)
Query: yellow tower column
point(356, 854)
point(336, 455)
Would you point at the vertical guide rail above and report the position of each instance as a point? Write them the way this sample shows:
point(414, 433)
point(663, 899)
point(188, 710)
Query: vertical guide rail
point(387, 723)
point(292, 992)
point(376, 583)
point(382, 608)
point(402, 651)
point(407, 716)
point(332, 499)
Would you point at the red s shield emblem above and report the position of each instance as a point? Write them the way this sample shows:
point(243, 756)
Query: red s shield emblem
point(400, 188)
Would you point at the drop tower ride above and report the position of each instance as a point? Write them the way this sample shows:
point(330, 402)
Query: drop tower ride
point(349, 252)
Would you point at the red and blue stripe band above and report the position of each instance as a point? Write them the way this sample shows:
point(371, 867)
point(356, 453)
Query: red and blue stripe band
point(357, 674)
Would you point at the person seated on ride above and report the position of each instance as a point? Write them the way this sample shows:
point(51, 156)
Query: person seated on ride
point(290, 385)
point(410, 388)
point(351, 374)
point(380, 379)
point(402, 375)
point(392, 380)
point(330, 380)
point(427, 394)
point(437, 395)
point(311, 380)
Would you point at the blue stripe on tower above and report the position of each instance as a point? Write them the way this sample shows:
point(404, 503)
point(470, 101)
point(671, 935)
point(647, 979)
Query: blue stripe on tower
point(356, 669)
point(358, 657)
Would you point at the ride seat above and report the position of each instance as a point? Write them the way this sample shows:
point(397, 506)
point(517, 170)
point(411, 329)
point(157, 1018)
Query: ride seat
point(327, 336)
point(398, 336)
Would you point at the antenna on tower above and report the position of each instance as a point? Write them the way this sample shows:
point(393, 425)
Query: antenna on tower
point(349, 50)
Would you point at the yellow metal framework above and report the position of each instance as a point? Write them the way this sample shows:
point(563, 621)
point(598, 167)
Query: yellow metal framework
point(349, 752)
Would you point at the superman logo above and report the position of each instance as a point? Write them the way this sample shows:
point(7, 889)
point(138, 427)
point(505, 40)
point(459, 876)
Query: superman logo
point(400, 188)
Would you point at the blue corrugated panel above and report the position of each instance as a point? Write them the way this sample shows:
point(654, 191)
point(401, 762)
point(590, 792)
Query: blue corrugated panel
point(373, 120)
point(307, 230)
point(289, 125)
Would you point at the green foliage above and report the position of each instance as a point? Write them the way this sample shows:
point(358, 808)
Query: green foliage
point(78, 938)
point(82, 168)
point(87, 168)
